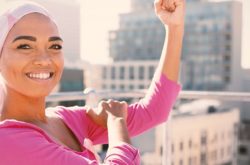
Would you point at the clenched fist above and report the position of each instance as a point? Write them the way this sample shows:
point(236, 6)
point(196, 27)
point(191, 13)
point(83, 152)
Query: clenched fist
point(170, 12)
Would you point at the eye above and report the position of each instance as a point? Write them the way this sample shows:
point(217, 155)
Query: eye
point(56, 46)
point(23, 46)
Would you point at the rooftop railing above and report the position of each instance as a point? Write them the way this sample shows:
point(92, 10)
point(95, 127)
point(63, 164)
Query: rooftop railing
point(166, 157)
point(224, 96)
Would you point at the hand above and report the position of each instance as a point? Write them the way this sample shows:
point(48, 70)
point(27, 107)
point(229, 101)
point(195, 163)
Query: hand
point(170, 12)
point(107, 109)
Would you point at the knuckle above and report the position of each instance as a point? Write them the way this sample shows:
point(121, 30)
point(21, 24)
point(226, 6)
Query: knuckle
point(102, 102)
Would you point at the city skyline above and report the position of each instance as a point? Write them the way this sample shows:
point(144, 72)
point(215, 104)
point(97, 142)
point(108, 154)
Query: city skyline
point(98, 49)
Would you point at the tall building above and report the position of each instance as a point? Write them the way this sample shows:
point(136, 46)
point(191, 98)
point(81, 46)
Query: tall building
point(140, 35)
point(212, 46)
point(212, 42)
point(67, 16)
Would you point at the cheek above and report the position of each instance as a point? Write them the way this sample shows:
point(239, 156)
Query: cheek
point(11, 66)
point(59, 61)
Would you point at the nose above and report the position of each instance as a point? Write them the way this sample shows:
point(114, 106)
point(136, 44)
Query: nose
point(43, 59)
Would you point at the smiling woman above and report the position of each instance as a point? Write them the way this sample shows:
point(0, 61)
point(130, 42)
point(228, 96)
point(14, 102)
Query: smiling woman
point(31, 56)
point(31, 64)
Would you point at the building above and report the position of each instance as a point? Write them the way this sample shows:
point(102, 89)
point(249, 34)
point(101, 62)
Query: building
point(140, 35)
point(212, 45)
point(244, 143)
point(197, 137)
point(212, 42)
point(72, 80)
point(244, 132)
point(67, 16)
point(121, 75)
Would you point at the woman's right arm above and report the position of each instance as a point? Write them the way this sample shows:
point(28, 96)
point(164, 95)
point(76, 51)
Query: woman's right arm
point(25, 146)
point(118, 134)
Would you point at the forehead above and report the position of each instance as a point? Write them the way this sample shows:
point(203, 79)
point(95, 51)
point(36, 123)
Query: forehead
point(34, 24)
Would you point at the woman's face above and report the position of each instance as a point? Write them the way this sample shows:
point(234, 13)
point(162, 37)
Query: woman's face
point(31, 62)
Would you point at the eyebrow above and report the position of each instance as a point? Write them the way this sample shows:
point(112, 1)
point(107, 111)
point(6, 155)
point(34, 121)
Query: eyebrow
point(31, 38)
point(55, 38)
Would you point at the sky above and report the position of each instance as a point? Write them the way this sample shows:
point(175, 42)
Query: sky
point(99, 17)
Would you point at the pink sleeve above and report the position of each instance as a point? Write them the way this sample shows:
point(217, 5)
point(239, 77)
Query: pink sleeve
point(153, 109)
point(28, 147)
point(123, 154)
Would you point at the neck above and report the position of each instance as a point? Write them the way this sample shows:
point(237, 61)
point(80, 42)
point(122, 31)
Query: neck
point(23, 108)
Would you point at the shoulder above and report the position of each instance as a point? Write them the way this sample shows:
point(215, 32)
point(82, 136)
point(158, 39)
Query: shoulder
point(75, 118)
point(19, 139)
point(13, 131)
point(61, 110)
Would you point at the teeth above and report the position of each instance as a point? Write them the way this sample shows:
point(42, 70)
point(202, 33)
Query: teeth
point(42, 76)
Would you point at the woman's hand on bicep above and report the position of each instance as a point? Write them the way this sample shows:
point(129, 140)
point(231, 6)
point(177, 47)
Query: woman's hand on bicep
point(100, 114)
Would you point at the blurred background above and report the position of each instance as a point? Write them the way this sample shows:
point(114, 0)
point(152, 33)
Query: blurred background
point(114, 47)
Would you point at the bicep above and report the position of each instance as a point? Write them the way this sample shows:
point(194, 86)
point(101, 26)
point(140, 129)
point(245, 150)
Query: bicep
point(154, 108)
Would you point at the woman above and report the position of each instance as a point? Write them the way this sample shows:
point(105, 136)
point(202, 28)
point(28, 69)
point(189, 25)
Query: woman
point(31, 64)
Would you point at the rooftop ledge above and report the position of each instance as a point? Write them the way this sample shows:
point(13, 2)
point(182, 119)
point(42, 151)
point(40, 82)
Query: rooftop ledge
point(223, 96)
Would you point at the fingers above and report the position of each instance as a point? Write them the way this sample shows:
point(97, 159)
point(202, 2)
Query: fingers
point(168, 5)
point(158, 5)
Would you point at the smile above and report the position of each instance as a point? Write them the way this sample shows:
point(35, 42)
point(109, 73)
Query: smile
point(40, 76)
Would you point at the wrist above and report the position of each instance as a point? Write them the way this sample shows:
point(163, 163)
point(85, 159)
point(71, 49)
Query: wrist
point(175, 27)
point(112, 119)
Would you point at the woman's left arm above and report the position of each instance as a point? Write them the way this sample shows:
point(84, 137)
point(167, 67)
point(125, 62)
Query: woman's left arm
point(171, 13)
point(155, 107)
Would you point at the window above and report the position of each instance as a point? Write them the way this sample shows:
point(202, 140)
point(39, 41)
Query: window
point(181, 146)
point(141, 72)
point(214, 155)
point(190, 161)
point(104, 86)
point(172, 148)
point(151, 72)
point(104, 73)
point(243, 150)
point(122, 87)
point(222, 152)
point(181, 162)
point(203, 138)
point(113, 87)
point(203, 158)
point(131, 87)
point(131, 73)
point(190, 143)
point(122, 72)
point(113, 72)
point(229, 150)
point(141, 86)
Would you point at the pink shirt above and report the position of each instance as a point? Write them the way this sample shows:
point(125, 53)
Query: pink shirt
point(26, 144)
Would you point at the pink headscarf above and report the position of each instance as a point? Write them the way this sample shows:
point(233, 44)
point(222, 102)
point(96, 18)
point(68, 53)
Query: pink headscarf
point(13, 12)
point(9, 15)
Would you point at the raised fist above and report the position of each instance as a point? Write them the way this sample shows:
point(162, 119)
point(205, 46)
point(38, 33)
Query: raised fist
point(170, 12)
